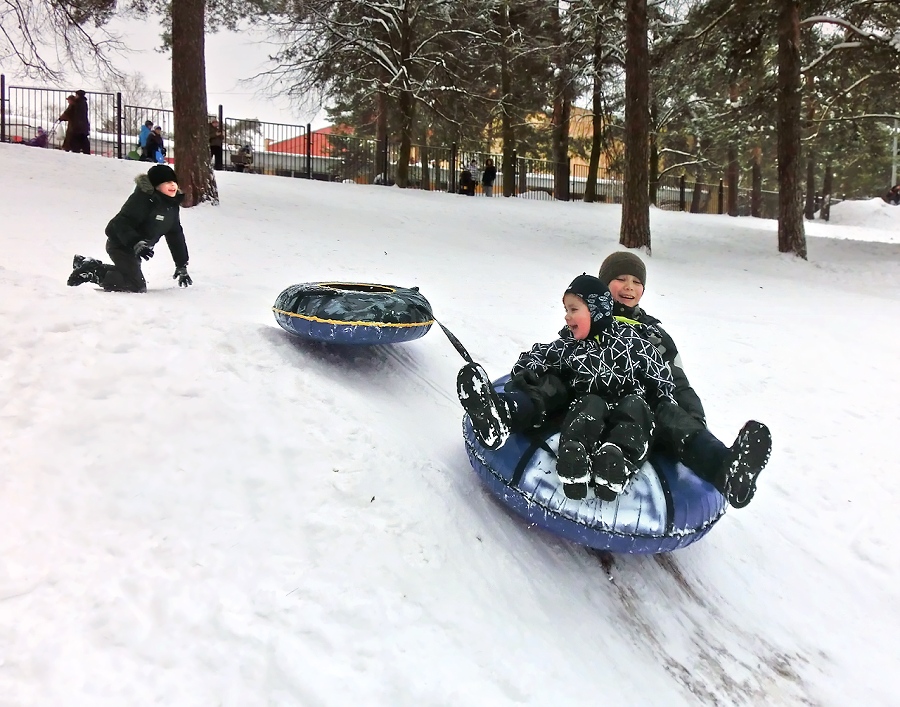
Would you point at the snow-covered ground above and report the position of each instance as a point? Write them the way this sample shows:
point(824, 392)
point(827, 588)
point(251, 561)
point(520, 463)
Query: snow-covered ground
point(197, 508)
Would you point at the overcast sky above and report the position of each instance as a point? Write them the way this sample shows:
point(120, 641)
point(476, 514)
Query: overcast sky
point(230, 58)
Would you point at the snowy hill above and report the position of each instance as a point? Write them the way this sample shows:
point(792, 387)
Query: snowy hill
point(198, 509)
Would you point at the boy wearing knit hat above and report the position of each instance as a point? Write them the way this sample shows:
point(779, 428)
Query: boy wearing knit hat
point(150, 213)
point(616, 377)
point(681, 428)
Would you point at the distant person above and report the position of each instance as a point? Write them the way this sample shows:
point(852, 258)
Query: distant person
point(216, 140)
point(893, 196)
point(243, 159)
point(151, 213)
point(473, 168)
point(466, 182)
point(146, 129)
point(78, 126)
point(488, 177)
point(154, 151)
point(41, 139)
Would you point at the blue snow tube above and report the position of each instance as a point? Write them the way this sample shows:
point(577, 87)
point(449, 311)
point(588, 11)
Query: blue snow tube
point(666, 506)
point(353, 312)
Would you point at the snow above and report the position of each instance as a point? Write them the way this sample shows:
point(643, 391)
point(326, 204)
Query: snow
point(197, 508)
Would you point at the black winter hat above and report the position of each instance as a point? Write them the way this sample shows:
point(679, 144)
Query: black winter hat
point(623, 263)
point(161, 173)
point(598, 299)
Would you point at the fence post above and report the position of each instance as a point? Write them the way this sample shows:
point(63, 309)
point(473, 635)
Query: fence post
point(308, 151)
point(2, 107)
point(721, 197)
point(221, 118)
point(682, 204)
point(523, 175)
point(451, 182)
point(119, 120)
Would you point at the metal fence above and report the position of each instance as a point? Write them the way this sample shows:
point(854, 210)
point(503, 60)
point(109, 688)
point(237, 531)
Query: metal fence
point(285, 150)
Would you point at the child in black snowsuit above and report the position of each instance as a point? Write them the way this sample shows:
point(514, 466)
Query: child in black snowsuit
point(617, 380)
point(151, 213)
point(681, 429)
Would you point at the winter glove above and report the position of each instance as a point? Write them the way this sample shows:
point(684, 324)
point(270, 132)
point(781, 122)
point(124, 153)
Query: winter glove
point(182, 276)
point(144, 250)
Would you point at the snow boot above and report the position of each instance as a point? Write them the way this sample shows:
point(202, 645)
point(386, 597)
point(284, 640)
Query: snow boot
point(747, 457)
point(85, 270)
point(486, 408)
point(612, 471)
point(573, 465)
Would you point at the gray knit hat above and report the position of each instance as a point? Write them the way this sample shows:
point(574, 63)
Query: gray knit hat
point(623, 263)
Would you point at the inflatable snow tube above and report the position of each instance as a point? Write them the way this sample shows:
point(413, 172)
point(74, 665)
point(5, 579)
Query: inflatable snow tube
point(353, 312)
point(665, 507)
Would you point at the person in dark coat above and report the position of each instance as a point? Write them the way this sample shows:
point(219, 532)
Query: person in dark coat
point(154, 151)
point(146, 129)
point(681, 429)
point(488, 176)
point(466, 182)
point(149, 214)
point(616, 377)
point(893, 196)
point(78, 125)
point(216, 140)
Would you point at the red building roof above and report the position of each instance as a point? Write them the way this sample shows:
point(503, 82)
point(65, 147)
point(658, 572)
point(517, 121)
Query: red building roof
point(320, 147)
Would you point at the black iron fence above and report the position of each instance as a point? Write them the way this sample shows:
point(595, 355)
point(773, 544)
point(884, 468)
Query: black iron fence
point(285, 150)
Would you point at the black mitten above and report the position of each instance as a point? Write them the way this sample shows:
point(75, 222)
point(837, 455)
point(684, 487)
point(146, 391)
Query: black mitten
point(144, 250)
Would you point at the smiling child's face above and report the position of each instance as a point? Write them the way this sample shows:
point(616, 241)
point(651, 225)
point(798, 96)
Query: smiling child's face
point(627, 290)
point(168, 188)
point(578, 316)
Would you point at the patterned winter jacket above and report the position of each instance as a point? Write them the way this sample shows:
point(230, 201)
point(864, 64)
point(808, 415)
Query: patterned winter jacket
point(649, 327)
point(613, 364)
point(148, 215)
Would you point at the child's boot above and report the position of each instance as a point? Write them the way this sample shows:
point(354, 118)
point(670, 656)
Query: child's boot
point(732, 470)
point(611, 471)
point(486, 408)
point(747, 457)
point(86, 270)
point(573, 465)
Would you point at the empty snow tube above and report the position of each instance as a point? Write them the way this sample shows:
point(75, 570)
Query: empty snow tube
point(666, 506)
point(353, 312)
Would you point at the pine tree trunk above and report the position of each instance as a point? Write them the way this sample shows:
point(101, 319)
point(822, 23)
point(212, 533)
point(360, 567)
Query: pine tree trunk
point(756, 195)
point(507, 132)
point(635, 228)
point(562, 111)
point(423, 160)
point(195, 176)
point(654, 155)
point(407, 102)
point(407, 109)
point(697, 194)
point(732, 175)
point(825, 211)
point(590, 187)
point(791, 233)
point(381, 133)
point(809, 210)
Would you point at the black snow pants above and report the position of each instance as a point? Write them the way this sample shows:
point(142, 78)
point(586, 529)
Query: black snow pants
point(627, 424)
point(125, 275)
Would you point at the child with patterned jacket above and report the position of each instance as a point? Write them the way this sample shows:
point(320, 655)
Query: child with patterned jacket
point(616, 378)
point(681, 429)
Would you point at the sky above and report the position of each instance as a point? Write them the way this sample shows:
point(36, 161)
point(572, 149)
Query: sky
point(232, 58)
point(198, 508)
